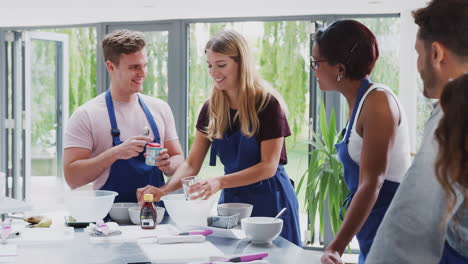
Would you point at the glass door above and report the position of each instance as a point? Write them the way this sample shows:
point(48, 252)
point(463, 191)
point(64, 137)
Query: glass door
point(36, 107)
point(3, 114)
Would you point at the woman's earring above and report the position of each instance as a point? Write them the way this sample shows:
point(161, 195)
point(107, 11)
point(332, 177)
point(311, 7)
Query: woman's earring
point(339, 77)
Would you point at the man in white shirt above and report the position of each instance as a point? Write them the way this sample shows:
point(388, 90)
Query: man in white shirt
point(410, 231)
point(105, 138)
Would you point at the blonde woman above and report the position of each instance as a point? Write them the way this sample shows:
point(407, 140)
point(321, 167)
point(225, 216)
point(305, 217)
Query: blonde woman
point(245, 124)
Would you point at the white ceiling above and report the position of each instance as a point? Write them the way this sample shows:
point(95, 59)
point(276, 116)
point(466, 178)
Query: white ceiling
point(19, 13)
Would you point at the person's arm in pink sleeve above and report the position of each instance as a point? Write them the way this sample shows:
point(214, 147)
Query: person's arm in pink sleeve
point(78, 166)
point(80, 169)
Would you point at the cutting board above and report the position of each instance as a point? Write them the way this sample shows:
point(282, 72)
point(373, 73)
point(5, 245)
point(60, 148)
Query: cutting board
point(7, 250)
point(33, 235)
point(8, 253)
point(180, 253)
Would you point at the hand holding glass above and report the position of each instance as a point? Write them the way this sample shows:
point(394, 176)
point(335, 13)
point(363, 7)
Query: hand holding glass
point(186, 182)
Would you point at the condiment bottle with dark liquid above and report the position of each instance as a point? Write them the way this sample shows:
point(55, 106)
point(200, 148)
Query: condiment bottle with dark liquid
point(148, 214)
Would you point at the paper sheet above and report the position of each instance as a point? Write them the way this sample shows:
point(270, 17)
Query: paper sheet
point(7, 250)
point(8, 260)
point(8, 253)
point(42, 234)
point(180, 253)
point(135, 232)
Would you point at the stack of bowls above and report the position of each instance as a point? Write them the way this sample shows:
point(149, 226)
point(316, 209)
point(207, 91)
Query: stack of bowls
point(243, 209)
point(119, 213)
point(134, 213)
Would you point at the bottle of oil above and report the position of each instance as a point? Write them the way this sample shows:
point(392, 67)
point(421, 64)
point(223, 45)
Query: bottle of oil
point(148, 214)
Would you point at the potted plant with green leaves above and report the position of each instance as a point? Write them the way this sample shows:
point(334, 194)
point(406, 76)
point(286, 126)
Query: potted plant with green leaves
point(323, 181)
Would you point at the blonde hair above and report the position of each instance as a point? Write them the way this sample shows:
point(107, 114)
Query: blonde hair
point(254, 92)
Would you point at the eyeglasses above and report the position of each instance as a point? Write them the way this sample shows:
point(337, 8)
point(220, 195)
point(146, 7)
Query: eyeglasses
point(315, 63)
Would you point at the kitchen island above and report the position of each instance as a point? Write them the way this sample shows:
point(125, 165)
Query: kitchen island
point(79, 249)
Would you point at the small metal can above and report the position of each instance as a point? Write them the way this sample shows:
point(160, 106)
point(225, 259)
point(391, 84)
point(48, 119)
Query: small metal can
point(152, 151)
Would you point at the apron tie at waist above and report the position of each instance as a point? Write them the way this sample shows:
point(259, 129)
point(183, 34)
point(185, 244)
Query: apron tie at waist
point(238, 191)
point(349, 197)
point(450, 255)
point(238, 152)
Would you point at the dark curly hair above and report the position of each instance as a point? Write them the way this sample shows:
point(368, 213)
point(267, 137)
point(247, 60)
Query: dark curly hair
point(350, 43)
point(452, 135)
point(445, 21)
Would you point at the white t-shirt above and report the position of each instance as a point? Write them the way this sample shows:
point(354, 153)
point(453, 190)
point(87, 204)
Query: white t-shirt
point(400, 158)
point(89, 126)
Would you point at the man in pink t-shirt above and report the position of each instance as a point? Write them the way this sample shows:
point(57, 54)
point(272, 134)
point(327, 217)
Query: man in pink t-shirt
point(106, 137)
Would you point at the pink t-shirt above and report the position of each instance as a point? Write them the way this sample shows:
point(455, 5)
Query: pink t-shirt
point(89, 126)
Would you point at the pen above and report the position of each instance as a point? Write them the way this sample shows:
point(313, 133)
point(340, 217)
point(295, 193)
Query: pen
point(197, 232)
point(247, 258)
point(189, 233)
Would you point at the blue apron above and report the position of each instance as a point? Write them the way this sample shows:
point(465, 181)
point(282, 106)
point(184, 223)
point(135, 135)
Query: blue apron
point(367, 233)
point(126, 176)
point(238, 152)
point(450, 256)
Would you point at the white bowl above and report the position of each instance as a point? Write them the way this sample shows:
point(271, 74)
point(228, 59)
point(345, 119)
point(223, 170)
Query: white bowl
point(134, 213)
point(244, 209)
point(119, 212)
point(261, 229)
point(89, 206)
point(186, 213)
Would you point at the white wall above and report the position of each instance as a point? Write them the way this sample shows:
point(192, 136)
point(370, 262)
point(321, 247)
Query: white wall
point(408, 72)
point(19, 13)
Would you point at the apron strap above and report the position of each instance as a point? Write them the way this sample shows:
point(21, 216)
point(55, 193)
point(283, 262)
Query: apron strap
point(115, 132)
point(212, 155)
point(347, 201)
point(362, 89)
point(151, 121)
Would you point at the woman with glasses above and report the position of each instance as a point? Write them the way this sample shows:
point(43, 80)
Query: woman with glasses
point(374, 150)
point(244, 123)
